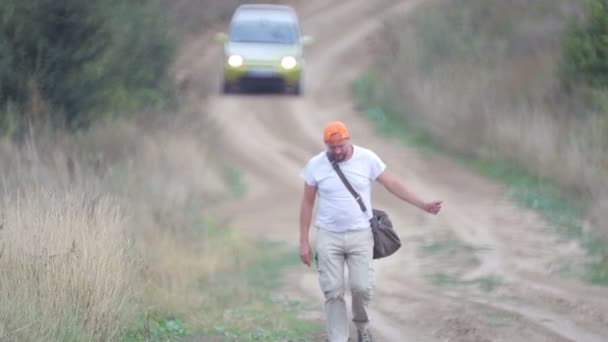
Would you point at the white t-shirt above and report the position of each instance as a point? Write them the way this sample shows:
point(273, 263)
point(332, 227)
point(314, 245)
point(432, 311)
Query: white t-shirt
point(338, 211)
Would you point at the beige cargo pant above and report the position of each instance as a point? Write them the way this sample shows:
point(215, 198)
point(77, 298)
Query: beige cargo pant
point(333, 251)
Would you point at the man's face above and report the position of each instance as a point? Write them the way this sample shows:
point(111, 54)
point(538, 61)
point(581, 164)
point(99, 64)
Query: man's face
point(339, 150)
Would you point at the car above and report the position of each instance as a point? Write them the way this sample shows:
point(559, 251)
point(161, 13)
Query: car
point(263, 47)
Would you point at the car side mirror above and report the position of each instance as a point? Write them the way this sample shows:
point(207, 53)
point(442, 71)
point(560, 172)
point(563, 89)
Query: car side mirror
point(221, 37)
point(306, 40)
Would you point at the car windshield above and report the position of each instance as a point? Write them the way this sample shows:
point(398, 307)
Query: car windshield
point(263, 31)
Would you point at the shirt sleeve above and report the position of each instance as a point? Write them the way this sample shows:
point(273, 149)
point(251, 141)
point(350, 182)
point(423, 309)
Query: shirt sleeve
point(308, 174)
point(377, 166)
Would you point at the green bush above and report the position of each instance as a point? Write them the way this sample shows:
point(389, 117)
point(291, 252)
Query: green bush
point(84, 59)
point(585, 50)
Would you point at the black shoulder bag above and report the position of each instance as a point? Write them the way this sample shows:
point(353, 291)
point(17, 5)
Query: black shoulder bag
point(386, 241)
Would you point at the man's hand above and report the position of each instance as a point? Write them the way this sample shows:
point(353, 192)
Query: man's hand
point(305, 253)
point(432, 207)
point(308, 202)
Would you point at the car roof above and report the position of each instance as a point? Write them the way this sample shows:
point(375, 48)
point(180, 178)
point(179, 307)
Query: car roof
point(268, 11)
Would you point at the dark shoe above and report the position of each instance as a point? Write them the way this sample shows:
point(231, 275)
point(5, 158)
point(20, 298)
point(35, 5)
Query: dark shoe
point(364, 336)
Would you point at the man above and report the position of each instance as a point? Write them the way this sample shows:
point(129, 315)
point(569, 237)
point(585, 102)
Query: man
point(344, 235)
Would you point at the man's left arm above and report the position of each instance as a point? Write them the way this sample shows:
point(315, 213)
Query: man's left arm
point(392, 184)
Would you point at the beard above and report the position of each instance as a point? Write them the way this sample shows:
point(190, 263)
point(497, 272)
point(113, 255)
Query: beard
point(338, 156)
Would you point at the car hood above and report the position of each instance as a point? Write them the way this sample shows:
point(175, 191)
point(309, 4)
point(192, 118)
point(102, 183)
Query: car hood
point(262, 52)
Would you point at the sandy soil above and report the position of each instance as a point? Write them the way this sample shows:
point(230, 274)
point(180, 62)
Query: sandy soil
point(482, 270)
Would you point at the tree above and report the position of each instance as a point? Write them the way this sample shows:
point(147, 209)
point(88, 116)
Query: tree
point(585, 51)
point(83, 58)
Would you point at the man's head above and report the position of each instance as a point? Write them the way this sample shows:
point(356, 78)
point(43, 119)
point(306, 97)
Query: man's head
point(337, 139)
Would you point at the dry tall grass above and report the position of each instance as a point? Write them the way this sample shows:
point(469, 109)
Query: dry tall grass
point(480, 76)
point(67, 267)
point(76, 264)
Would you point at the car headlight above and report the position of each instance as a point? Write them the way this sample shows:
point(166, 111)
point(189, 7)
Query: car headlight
point(235, 61)
point(288, 62)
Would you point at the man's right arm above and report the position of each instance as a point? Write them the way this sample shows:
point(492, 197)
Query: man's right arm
point(306, 207)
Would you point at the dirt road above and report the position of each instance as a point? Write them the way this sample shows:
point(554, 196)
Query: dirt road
point(482, 270)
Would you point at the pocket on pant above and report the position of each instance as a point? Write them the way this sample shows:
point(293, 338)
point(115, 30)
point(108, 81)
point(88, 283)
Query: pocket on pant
point(324, 274)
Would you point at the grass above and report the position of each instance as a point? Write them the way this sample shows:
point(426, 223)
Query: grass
point(155, 328)
point(238, 303)
point(67, 268)
point(555, 207)
point(534, 192)
point(448, 247)
point(454, 254)
point(487, 283)
point(479, 81)
point(245, 305)
point(236, 186)
point(527, 189)
point(386, 118)
point(110, 233)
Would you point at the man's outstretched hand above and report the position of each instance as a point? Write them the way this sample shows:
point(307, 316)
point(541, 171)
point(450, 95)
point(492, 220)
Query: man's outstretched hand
point(305, 253)
point(432, 207)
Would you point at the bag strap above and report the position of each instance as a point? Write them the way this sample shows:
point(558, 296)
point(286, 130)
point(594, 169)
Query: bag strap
point(357, 197)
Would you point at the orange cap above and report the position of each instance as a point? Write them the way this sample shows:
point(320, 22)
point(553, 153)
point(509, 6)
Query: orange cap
point(335, 131)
